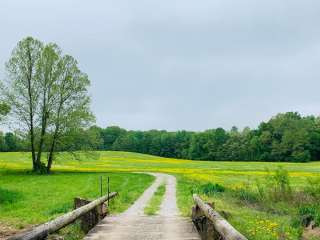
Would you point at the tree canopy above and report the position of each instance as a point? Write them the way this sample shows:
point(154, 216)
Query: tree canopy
point(47, 95)
point(285, 137)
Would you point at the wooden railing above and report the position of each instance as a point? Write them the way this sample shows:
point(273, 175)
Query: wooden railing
point(43, 230)
point(210, 224)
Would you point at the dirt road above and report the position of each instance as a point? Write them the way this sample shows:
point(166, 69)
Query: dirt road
point(133, 224)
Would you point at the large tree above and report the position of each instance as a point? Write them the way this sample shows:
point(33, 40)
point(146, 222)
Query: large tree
point(48, 97)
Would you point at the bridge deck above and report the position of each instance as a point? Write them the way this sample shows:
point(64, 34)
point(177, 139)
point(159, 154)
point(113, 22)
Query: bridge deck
point(133, 224)
point(144, 228)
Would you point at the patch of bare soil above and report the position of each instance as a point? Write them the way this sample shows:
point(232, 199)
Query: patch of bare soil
point(6, 231)
point(311, 232)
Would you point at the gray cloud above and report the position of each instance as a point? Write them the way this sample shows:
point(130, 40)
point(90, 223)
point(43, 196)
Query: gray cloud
point(181, 64)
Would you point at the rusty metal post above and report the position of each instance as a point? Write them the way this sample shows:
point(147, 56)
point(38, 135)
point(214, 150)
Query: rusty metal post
point(108, 189)
point(100, 186)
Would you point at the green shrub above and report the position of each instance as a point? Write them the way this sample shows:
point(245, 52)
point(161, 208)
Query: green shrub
point(247, 195)
point(309, 213)
point(313, 188)
point(208, 189)
point(276, 187)
point(211, 188)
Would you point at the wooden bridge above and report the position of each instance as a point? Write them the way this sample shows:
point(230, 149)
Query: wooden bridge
point(133, 224)
point(206, 223)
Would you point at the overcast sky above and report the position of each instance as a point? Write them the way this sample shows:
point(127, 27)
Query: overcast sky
point(181, 64)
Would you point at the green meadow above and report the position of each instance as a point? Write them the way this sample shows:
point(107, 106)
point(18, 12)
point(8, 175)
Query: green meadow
point(27, 199)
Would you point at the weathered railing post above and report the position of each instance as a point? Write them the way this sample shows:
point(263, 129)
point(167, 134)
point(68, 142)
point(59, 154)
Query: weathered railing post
point(203, 224)
point(91, 218)
point(108, 190)
point(213, 225)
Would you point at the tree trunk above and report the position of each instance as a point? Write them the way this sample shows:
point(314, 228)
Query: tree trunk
point(53, 144)
point(44, 121)
point(35, 166)
point(31, 131)
point(43, 132)
point(55, 137)
point(51, 153)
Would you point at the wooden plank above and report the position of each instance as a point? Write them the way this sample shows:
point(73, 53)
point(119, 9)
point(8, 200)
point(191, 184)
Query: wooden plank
point(42, 231)
point(224, 228)
point(91, 218)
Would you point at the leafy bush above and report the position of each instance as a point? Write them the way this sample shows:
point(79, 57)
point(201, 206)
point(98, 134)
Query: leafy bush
point(211, 188)
point(313, 188)
point(309, 213)
point(208, 189)
point(247, 195)
point(280, 185)
point(276, 187)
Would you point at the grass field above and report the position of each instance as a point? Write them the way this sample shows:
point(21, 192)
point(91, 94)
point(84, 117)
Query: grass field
point(154, 205)
point(252, 221)
point(27, 199)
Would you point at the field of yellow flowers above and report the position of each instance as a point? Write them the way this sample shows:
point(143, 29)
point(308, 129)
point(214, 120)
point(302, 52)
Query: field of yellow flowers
point(252, 221)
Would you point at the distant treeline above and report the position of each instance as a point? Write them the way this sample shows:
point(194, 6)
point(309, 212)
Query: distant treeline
point(285, 137)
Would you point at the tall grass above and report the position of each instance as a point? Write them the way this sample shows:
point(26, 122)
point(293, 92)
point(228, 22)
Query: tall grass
point(276, 194)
